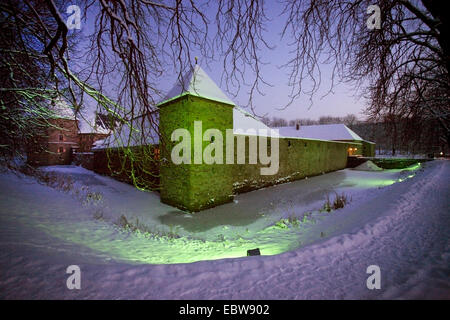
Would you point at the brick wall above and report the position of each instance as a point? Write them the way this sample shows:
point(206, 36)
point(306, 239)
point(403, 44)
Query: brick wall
point(86, 140)
point(54, 143)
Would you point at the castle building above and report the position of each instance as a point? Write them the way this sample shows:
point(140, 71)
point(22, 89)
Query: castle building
point(60, 135)
point(56, 138)
point(197, 110)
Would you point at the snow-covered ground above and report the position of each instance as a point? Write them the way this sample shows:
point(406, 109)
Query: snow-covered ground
point(396, 219)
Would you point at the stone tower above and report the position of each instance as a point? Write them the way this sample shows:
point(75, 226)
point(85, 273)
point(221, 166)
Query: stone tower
point(197, 104)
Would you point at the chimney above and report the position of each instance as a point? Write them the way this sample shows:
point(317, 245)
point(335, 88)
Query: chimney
point(297, 126)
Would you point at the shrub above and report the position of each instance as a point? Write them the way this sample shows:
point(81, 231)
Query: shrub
point(51, 179)
point(98, 214)
point(327, 205)
point(93, 197)
point(294, 221)
point(340, 201)
point(282, 223)
point(138, 227)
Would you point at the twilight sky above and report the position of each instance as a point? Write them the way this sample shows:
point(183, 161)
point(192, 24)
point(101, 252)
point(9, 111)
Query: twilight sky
point(340, 102)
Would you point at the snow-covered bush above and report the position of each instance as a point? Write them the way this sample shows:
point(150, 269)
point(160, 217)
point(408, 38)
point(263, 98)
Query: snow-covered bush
point(340, 201)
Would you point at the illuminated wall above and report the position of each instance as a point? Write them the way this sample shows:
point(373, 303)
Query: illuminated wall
point(192, 186)
point(298, 158)
point(368, 149)
point(195, 187)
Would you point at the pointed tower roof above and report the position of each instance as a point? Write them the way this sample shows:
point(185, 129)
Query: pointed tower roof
point(59, 108)
point(197, 83)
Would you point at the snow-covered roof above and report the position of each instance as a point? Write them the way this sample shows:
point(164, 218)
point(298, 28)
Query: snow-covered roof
point(88, 125)
point(196, 82)
point(59, 108)
point(244, 121)
point(321, 132)
point(135, 133)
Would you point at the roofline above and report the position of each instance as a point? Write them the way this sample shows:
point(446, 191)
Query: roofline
point(186, 93)
point(350, 131)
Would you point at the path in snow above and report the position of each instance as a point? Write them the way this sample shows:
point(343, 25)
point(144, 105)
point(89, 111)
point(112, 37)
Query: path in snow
point(404, 230)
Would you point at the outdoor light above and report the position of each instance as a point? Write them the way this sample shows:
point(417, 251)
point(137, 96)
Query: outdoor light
point(253, 252)
point(441, 153)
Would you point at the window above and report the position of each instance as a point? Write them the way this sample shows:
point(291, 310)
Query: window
point(61, 137)
point(156, 153)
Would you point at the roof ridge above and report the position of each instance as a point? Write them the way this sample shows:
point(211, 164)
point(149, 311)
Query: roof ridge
point(352, 133)
point(197, 82)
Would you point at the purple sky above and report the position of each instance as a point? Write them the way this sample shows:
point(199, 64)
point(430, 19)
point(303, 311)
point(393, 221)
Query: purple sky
point(339, 103)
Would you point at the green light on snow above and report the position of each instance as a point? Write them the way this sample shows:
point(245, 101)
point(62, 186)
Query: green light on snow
point(100, 240)
point(105, 242)
point(412, 168)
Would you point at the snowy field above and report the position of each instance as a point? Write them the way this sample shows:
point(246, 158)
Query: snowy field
point(130, 246)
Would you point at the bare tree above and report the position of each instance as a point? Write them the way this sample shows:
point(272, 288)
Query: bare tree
point(350, 120)
point(278, 122)
point(133, 43)
point(403, 67)
point(31, 67)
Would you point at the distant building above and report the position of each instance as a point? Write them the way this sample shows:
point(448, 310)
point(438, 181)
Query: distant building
point(89, 132)
point(58, 136)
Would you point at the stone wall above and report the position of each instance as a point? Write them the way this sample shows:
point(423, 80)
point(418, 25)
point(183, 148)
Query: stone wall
point(368, 149)
point(395, 163)
point(84, 159)
point(298, 158)
point(195, 187)
point(124, 164)
point(192, 186)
